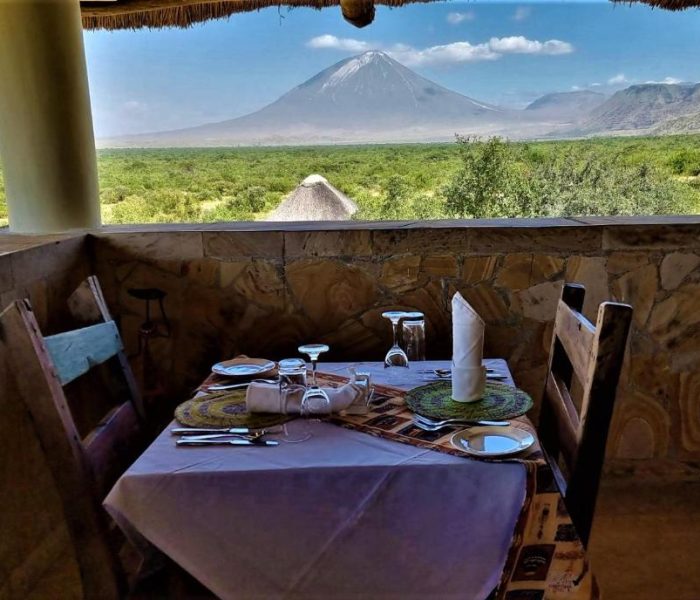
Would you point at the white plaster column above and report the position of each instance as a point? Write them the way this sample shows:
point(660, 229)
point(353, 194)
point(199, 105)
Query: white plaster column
point(47, 144)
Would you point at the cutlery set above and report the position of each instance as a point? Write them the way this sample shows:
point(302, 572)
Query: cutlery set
point(427, 424)
point(218, 387)
point(491, 374)
point(232, 436)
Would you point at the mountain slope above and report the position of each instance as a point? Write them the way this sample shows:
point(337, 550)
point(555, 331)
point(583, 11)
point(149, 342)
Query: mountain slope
point(370, 97)
point(571, 105)
point(679, 125)
point(641, 107)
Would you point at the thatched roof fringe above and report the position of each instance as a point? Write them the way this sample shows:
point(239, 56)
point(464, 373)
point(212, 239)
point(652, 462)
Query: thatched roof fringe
point(134, 14)
point(665, 4)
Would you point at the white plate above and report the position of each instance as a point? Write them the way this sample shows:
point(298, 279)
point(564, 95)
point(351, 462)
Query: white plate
point(492, 441)
point(243, 367)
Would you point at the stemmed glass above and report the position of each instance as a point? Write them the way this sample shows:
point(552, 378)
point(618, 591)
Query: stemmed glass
point(396, 357)
point(315, 400)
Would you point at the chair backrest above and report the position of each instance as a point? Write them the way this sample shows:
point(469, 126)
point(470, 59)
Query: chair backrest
point(82, 466)
point(592, 356)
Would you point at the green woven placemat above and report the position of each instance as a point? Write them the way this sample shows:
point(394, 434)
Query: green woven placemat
point(224, 409)
point(500, 402)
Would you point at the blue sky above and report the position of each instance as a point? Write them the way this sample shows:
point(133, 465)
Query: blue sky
point(505, 53)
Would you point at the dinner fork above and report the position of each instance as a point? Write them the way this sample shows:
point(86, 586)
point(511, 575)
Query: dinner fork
point(456, 421)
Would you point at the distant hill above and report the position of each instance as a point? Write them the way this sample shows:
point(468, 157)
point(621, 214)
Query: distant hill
point(644, 107)
point(575, 106)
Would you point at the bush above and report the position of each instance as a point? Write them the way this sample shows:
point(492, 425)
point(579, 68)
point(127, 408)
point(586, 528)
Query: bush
point(497, 180)
point(685, 162)
point(113, 195)
point(252, 199)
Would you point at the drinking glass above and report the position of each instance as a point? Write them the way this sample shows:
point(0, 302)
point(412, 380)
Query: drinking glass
point(315, 399)
point(396, 357)
point(292, 380)
point(292, 371)
point(413, 335)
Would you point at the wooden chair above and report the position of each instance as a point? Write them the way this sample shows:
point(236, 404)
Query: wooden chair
point(83, 467)
point(593, 356)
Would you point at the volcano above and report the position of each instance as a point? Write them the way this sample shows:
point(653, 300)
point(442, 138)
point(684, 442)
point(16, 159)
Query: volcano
point(369, 97)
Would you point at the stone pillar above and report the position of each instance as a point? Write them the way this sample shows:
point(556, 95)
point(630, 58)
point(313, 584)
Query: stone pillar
point(47, 145)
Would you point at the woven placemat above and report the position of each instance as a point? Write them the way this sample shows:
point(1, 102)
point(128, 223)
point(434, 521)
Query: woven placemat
point(500, 402)
point(224, 409)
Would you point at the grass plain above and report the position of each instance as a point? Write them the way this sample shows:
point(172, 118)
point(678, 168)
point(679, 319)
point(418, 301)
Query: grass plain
point(404, 181)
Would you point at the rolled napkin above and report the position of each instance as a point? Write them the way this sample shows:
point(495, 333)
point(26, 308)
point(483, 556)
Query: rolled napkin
point(267, 398)
point(468, 374)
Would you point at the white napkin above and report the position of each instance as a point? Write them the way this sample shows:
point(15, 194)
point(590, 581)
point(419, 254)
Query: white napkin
point(468, 374)
point(266, 398)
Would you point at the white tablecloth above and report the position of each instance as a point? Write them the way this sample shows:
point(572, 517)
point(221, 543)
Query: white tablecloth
point(341, 515)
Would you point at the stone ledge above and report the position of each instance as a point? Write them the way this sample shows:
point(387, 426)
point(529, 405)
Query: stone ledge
point(618, 228)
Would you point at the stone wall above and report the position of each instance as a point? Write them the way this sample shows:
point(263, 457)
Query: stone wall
point(44, 272)
point(262, 292)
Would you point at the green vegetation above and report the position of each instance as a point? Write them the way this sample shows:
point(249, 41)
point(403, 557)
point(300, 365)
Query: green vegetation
point(470, 178)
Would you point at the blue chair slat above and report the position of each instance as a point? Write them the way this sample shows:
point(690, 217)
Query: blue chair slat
point(75, 352)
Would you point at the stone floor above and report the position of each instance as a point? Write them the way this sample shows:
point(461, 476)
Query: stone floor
point(646, 541)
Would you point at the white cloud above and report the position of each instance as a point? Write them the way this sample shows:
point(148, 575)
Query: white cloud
point(461, 52)
point(575, 88)
point(667, 81)
point(596, 84)
point(336, 43)
point(454, 53)
point(457, 52)
point(518, 44)
point(521, 13)
point(455, 18)
point(618, 79)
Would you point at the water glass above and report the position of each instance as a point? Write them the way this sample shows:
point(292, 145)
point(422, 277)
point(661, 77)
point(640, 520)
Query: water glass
point(413, 335)
point(292, 376)
point(292, 372)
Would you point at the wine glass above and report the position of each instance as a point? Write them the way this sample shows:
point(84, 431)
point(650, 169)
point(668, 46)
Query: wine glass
point(315, 400)
point(396, 357)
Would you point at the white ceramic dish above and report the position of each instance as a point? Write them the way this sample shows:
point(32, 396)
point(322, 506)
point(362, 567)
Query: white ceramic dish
point(492, 441)
point(244, 367)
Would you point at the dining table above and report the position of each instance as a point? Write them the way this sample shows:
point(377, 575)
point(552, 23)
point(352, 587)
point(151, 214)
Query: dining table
point(362, 509)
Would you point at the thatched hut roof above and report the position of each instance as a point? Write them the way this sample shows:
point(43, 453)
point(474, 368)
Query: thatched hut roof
point(314, 199)
point(665, 4)
point(134, 14)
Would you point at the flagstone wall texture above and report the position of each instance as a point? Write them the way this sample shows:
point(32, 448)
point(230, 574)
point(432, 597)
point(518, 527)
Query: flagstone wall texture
point(263, 292)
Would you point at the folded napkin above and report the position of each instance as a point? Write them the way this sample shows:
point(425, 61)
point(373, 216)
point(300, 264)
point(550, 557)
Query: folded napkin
point(267, 398)
point(468, 374)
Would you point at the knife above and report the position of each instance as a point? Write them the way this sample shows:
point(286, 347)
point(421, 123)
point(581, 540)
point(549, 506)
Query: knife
point(230, 442)
point(215, 436)
point(208, 430)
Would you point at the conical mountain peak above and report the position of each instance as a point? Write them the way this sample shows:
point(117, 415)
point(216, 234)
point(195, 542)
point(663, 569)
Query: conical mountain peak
point(352, 66)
